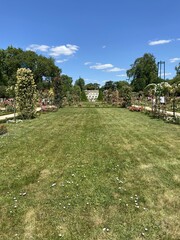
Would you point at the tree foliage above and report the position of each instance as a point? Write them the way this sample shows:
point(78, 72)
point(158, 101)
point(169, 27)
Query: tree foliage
point(11, 59)
point(110, 85)
point(92, 86)
point(25, 92)
point(143, 72)
point(66, 84)
point(121, 84)
point(176, 79)
point(58, 91)
point(78, 90)
point(177, 68)
point(100, 96)
point(81, 83)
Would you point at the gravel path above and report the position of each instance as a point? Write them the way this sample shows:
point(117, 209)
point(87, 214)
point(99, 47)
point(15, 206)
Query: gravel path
point(10, 116)
point(168, 112)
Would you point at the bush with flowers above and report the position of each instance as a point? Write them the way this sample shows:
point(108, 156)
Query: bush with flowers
point(9, 105)
point(136, 108)
point(25, 91)
point(48, 108)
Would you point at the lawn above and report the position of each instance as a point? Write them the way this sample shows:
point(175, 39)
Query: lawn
point(90, 173)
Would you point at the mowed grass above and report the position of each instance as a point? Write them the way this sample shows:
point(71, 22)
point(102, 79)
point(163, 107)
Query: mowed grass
point(90, 173)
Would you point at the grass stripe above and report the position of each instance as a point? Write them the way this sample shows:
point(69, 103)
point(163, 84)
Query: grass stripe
point(96, 173)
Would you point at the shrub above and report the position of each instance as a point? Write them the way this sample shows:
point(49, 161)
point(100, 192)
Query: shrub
point(9, 105)
point(135, 108)
point(3, 129)
point(49, 108)
point(80, 105)
point(171, 119)
point(25, 91)
point(58, 91)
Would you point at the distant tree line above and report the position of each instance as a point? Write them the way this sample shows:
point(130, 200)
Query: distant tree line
point(60, 88)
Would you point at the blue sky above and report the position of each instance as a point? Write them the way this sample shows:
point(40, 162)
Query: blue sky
point(97, 40)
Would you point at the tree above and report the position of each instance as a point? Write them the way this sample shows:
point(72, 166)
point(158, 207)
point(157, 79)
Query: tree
point(3, 76)
point(177, 68)
point(45, 67)
point(92, 86)
point(25, 92)
point(176, 79)
point(83, 96)
point(126, 93)
point(3, 92)
point(100, 96)
point(9, 63)
point(121, 84)
point(76, 93)
point(109, 85)
point(12, 59)
point(66, 84)
point(58, 91)
point(143, 72)
point(81, 83)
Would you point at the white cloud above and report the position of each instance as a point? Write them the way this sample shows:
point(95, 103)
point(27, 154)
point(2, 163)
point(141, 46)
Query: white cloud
point(61, 61)
point(168, 74)
point(108, 67)
point(152, 43)
point(100, 66)
point(172, 60)
point(178, 39)
point(104, 46)
point(91, 80)
point(55, 51)
point(36, 47)
point(66, 50)
point(121, 75)
point(87, 63)
point(115, 69)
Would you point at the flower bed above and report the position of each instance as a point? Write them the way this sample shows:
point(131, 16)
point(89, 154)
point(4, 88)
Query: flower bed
point(135, 108)
point(49, 108)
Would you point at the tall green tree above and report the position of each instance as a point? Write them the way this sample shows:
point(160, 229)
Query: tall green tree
point(81, 83)
point(143, 72)
point(45, 67)
point(76, 93)
point(100, 96)
point(10, 63)
point(66, 84)
point(58, 91)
